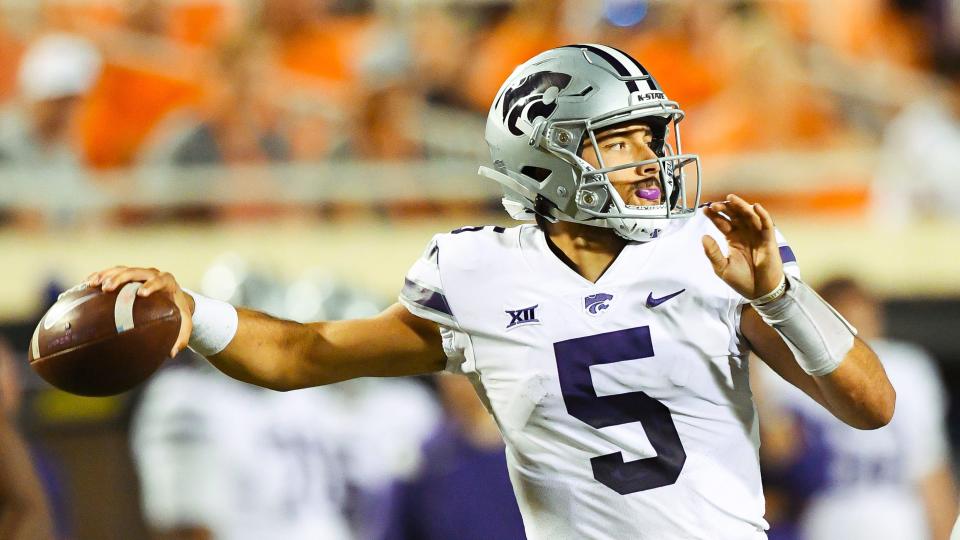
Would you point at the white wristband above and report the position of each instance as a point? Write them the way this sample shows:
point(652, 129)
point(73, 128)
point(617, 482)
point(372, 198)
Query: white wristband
point(214, 324)
point(816, 334)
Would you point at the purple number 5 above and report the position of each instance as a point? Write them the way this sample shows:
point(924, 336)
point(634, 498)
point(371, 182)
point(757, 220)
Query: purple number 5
point(574, 358)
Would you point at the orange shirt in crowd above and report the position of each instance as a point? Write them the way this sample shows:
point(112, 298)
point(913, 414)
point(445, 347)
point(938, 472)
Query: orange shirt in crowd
point(203, 22)
point(81, 17)
point(123, 109)
point(686, 75)
point(10, 51)
point(196, 22)
point(501, 50)
point(145, 76)
point(330, 50)
point(855, 29)
point(319, 73)
point(738, 122)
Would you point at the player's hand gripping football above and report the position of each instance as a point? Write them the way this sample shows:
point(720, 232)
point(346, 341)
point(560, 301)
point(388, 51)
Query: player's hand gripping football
point(153, 281)
point(753, 267)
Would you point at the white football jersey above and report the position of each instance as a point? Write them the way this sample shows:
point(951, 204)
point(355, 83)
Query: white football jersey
point(388, 422)
point(625, 404)
point(243, 462)
point(869, 480)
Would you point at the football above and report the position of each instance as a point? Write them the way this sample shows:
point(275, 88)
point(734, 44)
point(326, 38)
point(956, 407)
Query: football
point(96, 343)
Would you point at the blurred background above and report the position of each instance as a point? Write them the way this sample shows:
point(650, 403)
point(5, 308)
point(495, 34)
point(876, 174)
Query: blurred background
point(297, 155)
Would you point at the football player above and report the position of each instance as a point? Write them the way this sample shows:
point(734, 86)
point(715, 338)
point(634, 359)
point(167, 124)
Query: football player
point(864, 485)
point(609, 338)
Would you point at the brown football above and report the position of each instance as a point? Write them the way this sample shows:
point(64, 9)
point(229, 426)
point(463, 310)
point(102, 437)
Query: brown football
point(95, 343)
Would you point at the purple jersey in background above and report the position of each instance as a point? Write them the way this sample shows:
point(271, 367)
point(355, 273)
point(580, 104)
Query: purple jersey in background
point(461, 491)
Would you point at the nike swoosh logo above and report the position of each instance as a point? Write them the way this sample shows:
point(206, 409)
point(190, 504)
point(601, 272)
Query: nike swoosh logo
point(59, 310)
point(654, 302)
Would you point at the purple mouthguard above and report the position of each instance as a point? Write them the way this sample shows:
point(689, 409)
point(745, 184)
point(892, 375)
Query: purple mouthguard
point(652, 194)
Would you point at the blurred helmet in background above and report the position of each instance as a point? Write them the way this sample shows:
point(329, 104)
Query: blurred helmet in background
point(231, 279)
point(551, 107)
point(318, 297)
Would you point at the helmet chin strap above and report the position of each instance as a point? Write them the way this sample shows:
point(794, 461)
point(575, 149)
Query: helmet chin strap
point(638, 229)
point(522, 205)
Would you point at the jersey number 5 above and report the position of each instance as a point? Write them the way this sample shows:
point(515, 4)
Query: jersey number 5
point(574, 358)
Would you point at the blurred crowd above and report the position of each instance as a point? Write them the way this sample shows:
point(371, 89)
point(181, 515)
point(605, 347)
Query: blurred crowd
point(96, 85)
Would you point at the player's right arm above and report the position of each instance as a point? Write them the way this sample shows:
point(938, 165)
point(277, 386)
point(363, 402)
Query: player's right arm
point(286, 355)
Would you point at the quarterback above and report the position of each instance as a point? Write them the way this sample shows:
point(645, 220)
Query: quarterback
point(608, 336)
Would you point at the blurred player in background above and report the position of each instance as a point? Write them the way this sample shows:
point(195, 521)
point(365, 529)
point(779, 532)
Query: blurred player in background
point(219, 459)
point(24, 513)
point(387, 420)
point(463, 471)
point(622, 272)
point(243, 462)
point(893, 483)
point(905, 189)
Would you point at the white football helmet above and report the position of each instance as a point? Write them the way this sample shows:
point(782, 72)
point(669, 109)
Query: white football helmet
point(553, 105)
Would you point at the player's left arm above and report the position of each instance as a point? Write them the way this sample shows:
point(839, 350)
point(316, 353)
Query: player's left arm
point(822, 356)
point(857, 391)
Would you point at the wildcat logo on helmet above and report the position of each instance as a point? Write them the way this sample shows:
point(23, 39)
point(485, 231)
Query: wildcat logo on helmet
point(534, 96)
point(595, 303)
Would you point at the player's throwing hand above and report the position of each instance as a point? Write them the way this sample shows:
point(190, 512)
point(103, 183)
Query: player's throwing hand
point(153, 280)
point(753, 268)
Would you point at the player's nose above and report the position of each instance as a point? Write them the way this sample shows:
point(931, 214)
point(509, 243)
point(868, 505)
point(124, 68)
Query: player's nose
point(651, 168)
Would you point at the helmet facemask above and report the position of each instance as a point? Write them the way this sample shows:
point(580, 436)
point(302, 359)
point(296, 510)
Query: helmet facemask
point(596, 195)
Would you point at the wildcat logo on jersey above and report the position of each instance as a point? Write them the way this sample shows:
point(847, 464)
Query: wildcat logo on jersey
point(595, 303)
point(518, 317)
point(532, 97)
